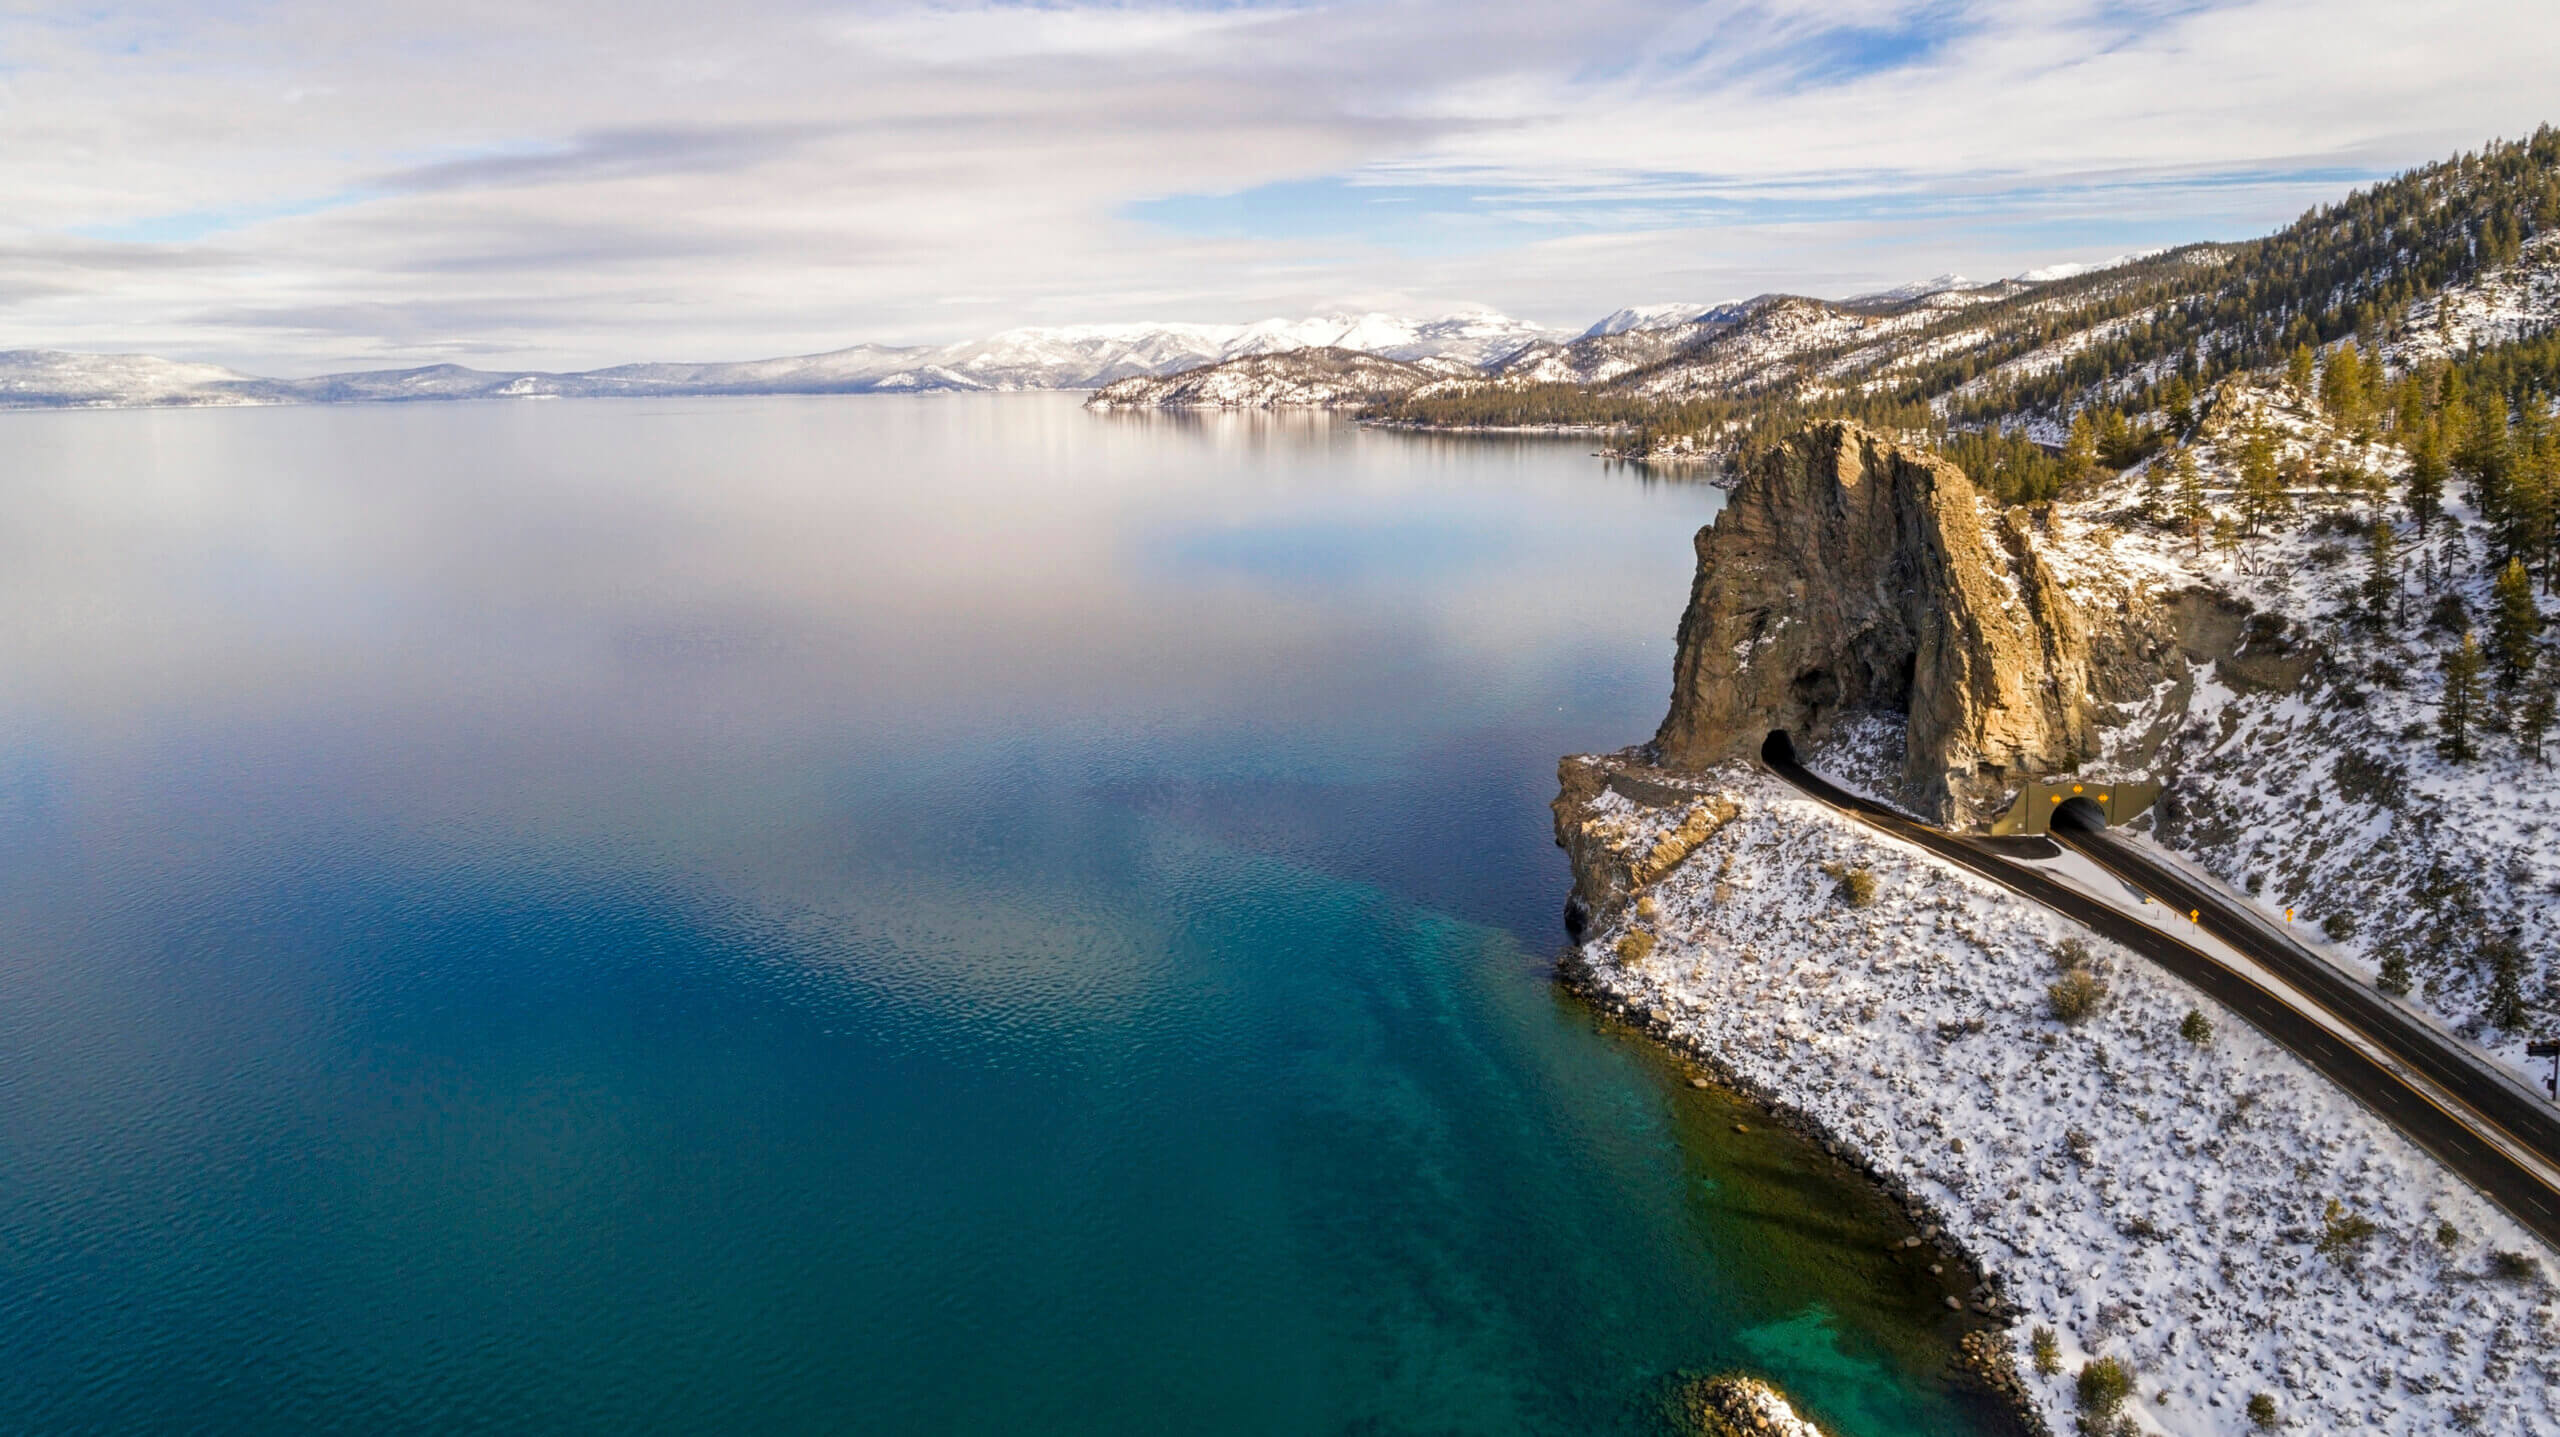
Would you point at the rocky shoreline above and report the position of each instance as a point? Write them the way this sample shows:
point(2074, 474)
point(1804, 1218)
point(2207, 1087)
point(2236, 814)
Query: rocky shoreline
point(1983, 1359)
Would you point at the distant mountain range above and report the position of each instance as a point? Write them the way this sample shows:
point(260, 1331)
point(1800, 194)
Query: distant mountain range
point(1069, 357)
point(1087, 356)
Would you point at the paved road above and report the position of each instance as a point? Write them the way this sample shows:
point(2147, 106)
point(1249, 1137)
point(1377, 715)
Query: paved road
point(2454, 1132)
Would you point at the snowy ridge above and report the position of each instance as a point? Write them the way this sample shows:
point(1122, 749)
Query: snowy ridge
point(1295, 378)
point(1917, 289)
point(1649, 316)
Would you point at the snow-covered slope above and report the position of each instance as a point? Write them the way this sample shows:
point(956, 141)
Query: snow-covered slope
point(1597, 358)
point(2514, 302)
point(2305, 772)
point(2142, 1196)
point(1916, 289)
point(1297, 378)
point(1648, 316)
point(52, 378)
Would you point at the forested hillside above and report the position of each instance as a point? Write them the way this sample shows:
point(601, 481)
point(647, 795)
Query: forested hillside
point(2032, 386)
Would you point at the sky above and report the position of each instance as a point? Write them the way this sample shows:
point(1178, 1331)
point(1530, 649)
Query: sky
point(300, 186)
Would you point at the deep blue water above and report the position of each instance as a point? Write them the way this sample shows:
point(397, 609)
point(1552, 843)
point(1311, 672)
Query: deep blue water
point(935, 915)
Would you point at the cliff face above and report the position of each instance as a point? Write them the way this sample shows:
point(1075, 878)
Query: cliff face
point(1849, 573)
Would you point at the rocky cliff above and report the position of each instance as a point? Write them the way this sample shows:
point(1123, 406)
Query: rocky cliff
point(1850, 574)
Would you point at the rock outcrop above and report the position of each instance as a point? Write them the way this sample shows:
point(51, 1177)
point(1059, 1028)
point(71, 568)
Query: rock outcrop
point(1625, 824)
point(1851, 573)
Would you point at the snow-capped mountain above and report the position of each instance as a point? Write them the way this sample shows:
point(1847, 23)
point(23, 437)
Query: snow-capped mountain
point(1082, 356)
point(1649, 316)
point(1917, 289)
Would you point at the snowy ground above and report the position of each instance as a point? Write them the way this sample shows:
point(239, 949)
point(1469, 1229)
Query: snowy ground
point(2145, 1197)
point(2329, 798)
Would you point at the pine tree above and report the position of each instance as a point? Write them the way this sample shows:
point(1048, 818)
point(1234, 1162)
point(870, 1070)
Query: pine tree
point(2178, 401)
point(2192, 510)
point(2412, 406)
point(2512, 630)
point(2506, 981)
point(2262, 490)
point(2458, 711)
point(2481, 454)
point(2297, 370)
point(2382, 573)
point(2342, 385)
point(2533, 722)
point(2426, 478)
point(2532, 507)
point(2079, 454)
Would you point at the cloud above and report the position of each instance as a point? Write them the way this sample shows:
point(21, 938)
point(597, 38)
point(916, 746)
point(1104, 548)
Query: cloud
point(299, 186)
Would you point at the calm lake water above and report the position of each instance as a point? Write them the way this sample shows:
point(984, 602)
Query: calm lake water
point(938, 915)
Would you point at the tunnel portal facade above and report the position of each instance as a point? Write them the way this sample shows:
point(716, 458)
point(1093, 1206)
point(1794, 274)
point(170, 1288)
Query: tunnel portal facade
point(2047, 803)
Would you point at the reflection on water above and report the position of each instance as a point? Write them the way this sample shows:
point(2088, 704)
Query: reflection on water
point(915, 915)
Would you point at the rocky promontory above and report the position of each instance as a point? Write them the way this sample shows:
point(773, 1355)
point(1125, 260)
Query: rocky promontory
point(1850, 574)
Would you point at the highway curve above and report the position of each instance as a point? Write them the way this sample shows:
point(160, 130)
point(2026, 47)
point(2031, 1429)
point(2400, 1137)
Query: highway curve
point(2454, 1135)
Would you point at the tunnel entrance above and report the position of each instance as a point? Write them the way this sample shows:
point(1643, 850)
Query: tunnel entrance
point(1778, 749)
point(2079, 814)
point(2075, 805)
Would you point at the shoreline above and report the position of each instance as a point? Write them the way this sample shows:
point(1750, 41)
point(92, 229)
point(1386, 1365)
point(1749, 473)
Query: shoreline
point(1980, 1367)
point(2127, 1192)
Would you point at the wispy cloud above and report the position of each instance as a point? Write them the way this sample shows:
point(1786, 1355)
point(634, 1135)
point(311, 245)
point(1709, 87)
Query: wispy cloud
point(305, 184)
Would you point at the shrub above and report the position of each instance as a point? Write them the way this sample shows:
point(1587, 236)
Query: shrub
point(2071, 954)
point(2343, 1233)
point(1857, 888)
point(2046, 1351)
point(2514, 1266)
point(1635, 947)
point(2104, 1386)
point(2196, 1028)
point(2339, 927)
point(2262, 1410)
point(2447, 1235)
point(2394, 978)
point(2076, 996)
point(2363, 778)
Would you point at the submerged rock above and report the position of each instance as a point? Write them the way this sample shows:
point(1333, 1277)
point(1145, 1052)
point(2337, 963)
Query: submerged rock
point(1738, 1406)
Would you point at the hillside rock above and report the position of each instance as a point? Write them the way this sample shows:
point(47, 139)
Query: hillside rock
point(1294, 379)
point(1850, 574)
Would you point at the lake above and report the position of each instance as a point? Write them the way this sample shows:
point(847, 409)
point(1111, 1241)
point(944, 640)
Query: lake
point(942, 914)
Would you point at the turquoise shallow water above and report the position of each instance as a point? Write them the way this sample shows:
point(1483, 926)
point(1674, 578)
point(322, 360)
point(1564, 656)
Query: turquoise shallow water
point(901, 915)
